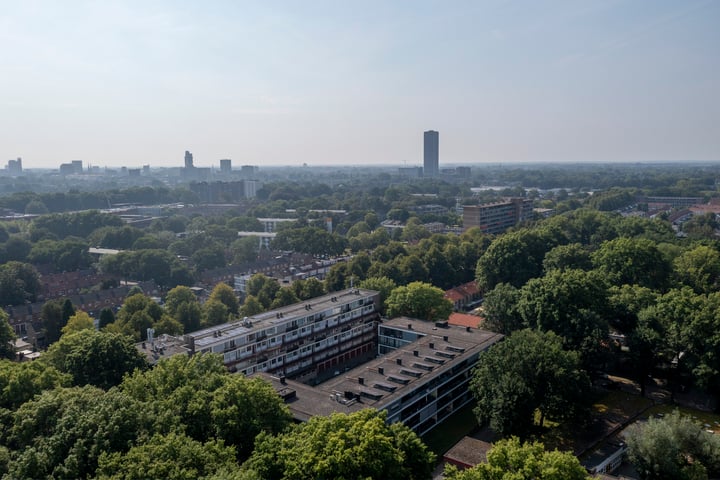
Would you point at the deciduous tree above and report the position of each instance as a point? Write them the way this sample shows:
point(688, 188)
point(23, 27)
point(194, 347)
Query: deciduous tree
point(511, 460)
point(418, 300)
point(95, 358)
point(358, 445)
point(673, 447)
point(529, 371)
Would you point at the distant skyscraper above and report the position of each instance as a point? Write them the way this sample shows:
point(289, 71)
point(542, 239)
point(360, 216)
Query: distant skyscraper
point(431, 153)
point(225, 165)
point(14, 167)
point(188, 160)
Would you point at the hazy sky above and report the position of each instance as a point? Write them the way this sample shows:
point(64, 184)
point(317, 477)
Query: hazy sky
point(357, 82)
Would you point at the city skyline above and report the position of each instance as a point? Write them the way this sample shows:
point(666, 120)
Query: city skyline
point(134, 83)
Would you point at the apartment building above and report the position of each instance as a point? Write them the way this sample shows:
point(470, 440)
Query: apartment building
point(310, 340)
point(497, 217)
point(421, 376)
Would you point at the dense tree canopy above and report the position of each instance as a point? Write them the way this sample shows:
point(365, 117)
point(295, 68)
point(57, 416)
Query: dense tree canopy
point(173, 456)
point(95, 358)
point(19, 282)
point(358, 445)
point(673, 447)
point(527, 372)
point(7, 335)
point(418, 300)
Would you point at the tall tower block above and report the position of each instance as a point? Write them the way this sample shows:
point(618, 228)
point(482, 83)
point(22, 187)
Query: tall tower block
point(431, 153)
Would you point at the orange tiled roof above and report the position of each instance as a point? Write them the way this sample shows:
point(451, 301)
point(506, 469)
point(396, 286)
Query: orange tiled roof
point(464, 320)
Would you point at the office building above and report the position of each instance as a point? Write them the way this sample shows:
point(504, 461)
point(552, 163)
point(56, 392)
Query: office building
point(431, 153)
point(225, 165)
point(188, 160)
point(420, 379)
point(497, 217)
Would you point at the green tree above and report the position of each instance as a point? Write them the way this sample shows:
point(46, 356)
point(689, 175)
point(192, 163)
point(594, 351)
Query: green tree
point(209, 257)
point(138, 313)
point(20, 382)
point(529, 371)
point(95, 358)
point(182, 304)
point(308, 288)
point(214, 312)
point(384, 285)
point(513, 258)
point(19, 282)
point(200, 397)
point(358, 445)
point(225, 295)
point(168, 456)
point(77, 322)
point(671, 320)
point(632, 261)
point(251, 306)
point(699, 269)
point(500, 309)
point(106, 317)
point(673, 447)
point(418, 300)
point(53, 316)
point(284, 296)
point(62, 432)
point(243, 407)
point(256, 283)
point(267, 293)
point(7, 336)
point(564, 257)
point(511, 460)
point(337, 277)
point(570, 303)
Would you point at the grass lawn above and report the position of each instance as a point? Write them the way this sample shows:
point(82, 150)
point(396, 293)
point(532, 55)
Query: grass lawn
point(620, 403)
point(458, 425)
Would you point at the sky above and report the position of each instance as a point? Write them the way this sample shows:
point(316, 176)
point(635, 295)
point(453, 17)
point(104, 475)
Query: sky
point(132, 83)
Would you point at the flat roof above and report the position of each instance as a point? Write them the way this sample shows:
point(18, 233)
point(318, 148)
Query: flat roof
point(389, 377)
point(215, 334)
point(257, 234)
point(163, 346)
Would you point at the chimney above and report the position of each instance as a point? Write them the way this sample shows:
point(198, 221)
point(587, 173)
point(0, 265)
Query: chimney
point(398, 361)
point(381, 370)
point(432, 346)
point(416, 353)
point(467, 329)
point(409, 326)
point(445, 338)
point(361, 380)
point(282, 379)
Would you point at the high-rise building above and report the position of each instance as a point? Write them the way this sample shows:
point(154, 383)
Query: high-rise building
point(14, 167)
point(188, 160)
point(225, 165)
point(431, 153)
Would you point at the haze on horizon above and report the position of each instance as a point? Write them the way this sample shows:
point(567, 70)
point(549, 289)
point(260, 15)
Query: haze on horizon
point(323, 82)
